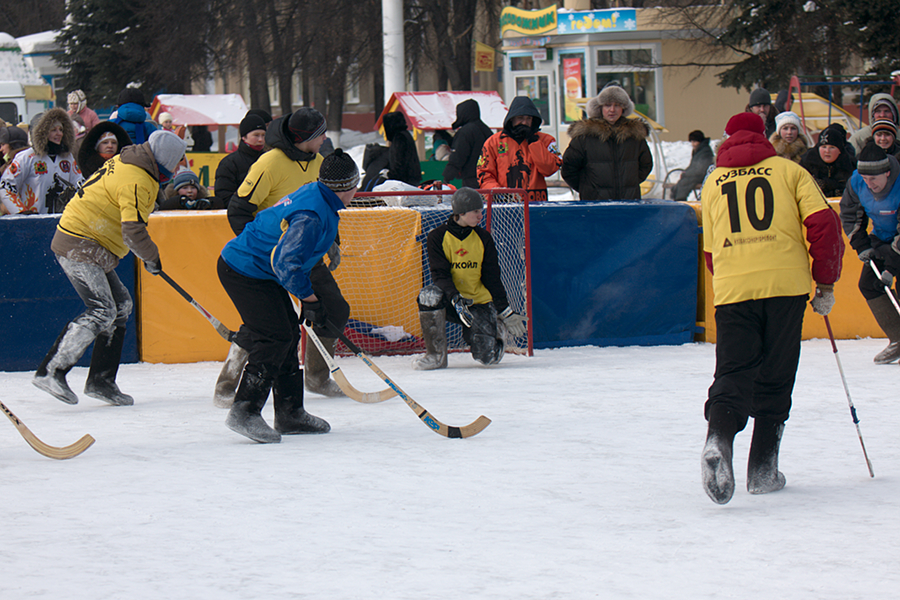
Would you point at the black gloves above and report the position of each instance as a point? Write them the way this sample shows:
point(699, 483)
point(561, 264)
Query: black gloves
point(314, 313)
point(195, 204)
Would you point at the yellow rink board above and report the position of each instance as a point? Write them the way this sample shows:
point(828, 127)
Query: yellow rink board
point(171, 330)
point(850, 318)
point(381, 264)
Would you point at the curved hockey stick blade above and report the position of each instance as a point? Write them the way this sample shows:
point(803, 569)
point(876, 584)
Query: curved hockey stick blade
point(47, 450)
point(449, 431)
point(223, 331)
point(341, 379)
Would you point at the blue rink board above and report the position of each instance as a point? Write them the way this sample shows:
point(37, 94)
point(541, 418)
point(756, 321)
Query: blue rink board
point(36, 298)
point(613, 273)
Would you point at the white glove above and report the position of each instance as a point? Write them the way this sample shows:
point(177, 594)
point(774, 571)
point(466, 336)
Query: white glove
point(823, 301)
point(514, 322)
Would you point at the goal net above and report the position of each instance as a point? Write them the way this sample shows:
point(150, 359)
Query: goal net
point(384, 264)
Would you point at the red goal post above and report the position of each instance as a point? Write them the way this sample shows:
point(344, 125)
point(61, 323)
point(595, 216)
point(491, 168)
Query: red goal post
point(384, 264)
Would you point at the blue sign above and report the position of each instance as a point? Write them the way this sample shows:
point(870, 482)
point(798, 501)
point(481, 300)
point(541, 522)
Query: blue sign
point(597, 21)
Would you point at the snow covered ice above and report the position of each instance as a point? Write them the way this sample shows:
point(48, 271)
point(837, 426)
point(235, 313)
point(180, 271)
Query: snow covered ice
point(586, 485)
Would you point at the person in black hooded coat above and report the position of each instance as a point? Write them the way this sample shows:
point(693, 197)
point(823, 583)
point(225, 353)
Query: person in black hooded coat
point(467, 144)
point(833, 176)
point(400, 158)
point(89, 158)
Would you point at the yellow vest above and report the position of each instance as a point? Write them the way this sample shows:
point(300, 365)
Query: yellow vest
point(118, 192)
point(466, 257)
point(274, 176)
point(752, 226)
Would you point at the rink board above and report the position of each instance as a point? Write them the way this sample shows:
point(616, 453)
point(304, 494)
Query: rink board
point(36, 298)
point(613, 273)
point(606, 274)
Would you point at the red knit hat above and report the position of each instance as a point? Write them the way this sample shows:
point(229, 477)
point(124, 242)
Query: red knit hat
point(745, 121)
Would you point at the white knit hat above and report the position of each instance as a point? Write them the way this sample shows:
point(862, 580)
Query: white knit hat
point(787, 117)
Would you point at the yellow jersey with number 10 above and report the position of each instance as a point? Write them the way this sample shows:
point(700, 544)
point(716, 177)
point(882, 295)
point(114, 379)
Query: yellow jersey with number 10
point(752, 226)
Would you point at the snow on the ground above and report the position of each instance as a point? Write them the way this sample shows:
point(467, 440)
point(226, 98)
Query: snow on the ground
point(586, 485)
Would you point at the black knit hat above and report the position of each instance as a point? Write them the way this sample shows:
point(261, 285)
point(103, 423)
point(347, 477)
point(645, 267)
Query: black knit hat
point(833, 135)
point(305, 124)
point(339, 172)
point(696, 136)
point(464, 200)
point(872, 160)
point(760, 96)
point(131, 94)
point(251, 123)
point(266, 117)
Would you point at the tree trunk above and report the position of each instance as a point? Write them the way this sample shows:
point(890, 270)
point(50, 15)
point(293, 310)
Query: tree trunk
point(256, 62)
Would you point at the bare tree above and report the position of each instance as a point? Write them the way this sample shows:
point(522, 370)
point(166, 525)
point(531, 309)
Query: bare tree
point(25, 18)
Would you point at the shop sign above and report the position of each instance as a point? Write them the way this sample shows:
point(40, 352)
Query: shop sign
point(597, 21)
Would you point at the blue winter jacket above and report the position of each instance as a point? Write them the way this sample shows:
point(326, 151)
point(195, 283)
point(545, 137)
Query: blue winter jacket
point(882, 212)
point(136, 121)
point(284, 242)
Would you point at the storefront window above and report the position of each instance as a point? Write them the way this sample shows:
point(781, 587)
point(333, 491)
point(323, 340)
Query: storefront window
point(571, 73)
point(521, 63)
point(536, 87)
point(624, 57)
point(633, 70)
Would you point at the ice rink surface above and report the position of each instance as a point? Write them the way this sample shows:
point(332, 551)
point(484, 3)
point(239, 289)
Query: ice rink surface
point(586, 485)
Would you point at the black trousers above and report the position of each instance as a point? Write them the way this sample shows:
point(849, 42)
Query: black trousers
point(329, 293)
point(271, 322)
point(870, 286)
point(757, 353)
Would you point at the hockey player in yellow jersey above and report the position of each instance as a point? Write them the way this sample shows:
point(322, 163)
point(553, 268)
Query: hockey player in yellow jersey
point(465, 274)
point(106, 218)
point(755, 205)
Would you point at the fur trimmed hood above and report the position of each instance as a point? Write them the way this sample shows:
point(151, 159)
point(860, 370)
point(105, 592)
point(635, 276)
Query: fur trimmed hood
point(40, 135)
point(621, 130)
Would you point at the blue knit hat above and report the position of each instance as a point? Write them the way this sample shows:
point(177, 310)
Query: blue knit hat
point(184, 178)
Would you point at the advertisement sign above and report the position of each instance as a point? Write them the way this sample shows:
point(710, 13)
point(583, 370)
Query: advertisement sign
point(572, 77)
point(484, 57)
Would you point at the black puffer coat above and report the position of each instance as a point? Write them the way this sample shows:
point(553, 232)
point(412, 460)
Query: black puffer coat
point(832, 178)
point(232, 170)
point(607, 161)
point(467, 144)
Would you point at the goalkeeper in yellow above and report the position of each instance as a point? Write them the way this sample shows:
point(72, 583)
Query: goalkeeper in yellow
point(755, 205)
point(465, 274)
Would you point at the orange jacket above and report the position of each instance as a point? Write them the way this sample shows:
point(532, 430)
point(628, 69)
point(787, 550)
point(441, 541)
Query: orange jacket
point(505, 163)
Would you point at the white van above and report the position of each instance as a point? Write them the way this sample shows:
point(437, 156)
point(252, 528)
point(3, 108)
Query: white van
point(12, 102)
